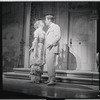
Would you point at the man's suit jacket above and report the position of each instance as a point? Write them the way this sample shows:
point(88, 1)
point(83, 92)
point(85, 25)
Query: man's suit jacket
point(53, 36)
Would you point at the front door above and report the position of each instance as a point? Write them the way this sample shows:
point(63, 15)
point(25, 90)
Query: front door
point(81, 42)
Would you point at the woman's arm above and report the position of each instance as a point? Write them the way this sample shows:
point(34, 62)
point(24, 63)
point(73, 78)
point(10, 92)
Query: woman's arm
point(35, 39)
point(34, 43)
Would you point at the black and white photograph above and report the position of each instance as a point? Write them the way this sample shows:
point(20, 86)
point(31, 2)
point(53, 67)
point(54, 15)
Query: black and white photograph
point(50, 49)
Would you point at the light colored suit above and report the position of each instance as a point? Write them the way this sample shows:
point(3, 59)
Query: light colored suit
point(53, 36)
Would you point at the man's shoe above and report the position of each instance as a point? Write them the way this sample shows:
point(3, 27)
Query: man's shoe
point(41, 81)
point(47, 81)
point(51, 83)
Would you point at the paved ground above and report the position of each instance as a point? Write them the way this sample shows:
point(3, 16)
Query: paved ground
point(60, 90)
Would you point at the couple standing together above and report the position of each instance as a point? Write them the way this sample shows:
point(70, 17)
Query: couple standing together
point(44, 50)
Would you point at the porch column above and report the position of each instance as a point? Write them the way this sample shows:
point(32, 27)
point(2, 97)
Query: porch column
point(27, 33)
point(94, 17)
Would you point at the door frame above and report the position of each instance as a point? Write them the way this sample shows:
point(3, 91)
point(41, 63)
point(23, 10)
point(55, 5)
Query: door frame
point(93, 16)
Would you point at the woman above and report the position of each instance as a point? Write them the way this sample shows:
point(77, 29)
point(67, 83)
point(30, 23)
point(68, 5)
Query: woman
point(37, 59)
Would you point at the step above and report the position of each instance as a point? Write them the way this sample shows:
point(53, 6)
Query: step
point(95, 75)
point(58, 78)
point(57, 71)
point(16, 75)
point(75, 80)
point(66, 73)
point(22, 70)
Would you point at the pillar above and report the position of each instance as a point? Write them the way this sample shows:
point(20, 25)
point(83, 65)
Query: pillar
point(27, 33)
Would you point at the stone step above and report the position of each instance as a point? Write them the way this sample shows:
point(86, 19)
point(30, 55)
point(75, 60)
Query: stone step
point(65, 73)
point(22, 70)
point(75, 80)
point(63, 79)
point(16, 75)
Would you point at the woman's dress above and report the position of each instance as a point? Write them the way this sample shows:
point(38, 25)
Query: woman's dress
point(37, 56)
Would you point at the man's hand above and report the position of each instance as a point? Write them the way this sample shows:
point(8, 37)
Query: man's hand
point(50, 46)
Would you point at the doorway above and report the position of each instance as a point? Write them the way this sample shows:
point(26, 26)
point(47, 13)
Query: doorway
point(82, 45)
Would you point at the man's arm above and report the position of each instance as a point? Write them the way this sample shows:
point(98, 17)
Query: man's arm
point(58, 35)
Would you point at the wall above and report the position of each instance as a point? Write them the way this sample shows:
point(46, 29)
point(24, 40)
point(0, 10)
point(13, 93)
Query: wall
point(62, 21)
point(60, 11)
point(12, 23)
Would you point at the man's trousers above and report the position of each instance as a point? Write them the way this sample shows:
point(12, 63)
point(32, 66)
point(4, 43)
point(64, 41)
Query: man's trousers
point(50, 61)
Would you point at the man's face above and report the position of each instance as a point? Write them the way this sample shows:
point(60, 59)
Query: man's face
point(47, 21)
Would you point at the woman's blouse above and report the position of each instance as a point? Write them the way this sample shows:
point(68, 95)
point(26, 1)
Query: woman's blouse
point(40, 34)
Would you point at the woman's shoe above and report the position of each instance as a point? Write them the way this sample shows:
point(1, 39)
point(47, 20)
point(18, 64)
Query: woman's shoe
point(51, 83)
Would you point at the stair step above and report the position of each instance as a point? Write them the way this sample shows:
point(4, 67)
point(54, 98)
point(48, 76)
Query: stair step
point(75, 80)
point(66, 73)
point(16, 75)
point(58, 71)
point(58, 78)
point(62, 77)
point(95, 75)
point(22, 70)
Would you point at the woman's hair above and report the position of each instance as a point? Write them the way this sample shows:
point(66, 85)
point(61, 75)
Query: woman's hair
point(37, 23)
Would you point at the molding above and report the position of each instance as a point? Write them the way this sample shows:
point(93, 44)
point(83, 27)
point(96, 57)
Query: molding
point(81, 5)
point(93, 15)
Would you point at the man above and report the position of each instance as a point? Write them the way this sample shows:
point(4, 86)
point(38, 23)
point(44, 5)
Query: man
point(53, 36)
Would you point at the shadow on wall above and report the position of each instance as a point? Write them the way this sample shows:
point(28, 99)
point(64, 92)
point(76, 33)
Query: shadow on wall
point(72, 63)
point(66, 60)
point(12, 28)
point(9, 60)
point(10, 50)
